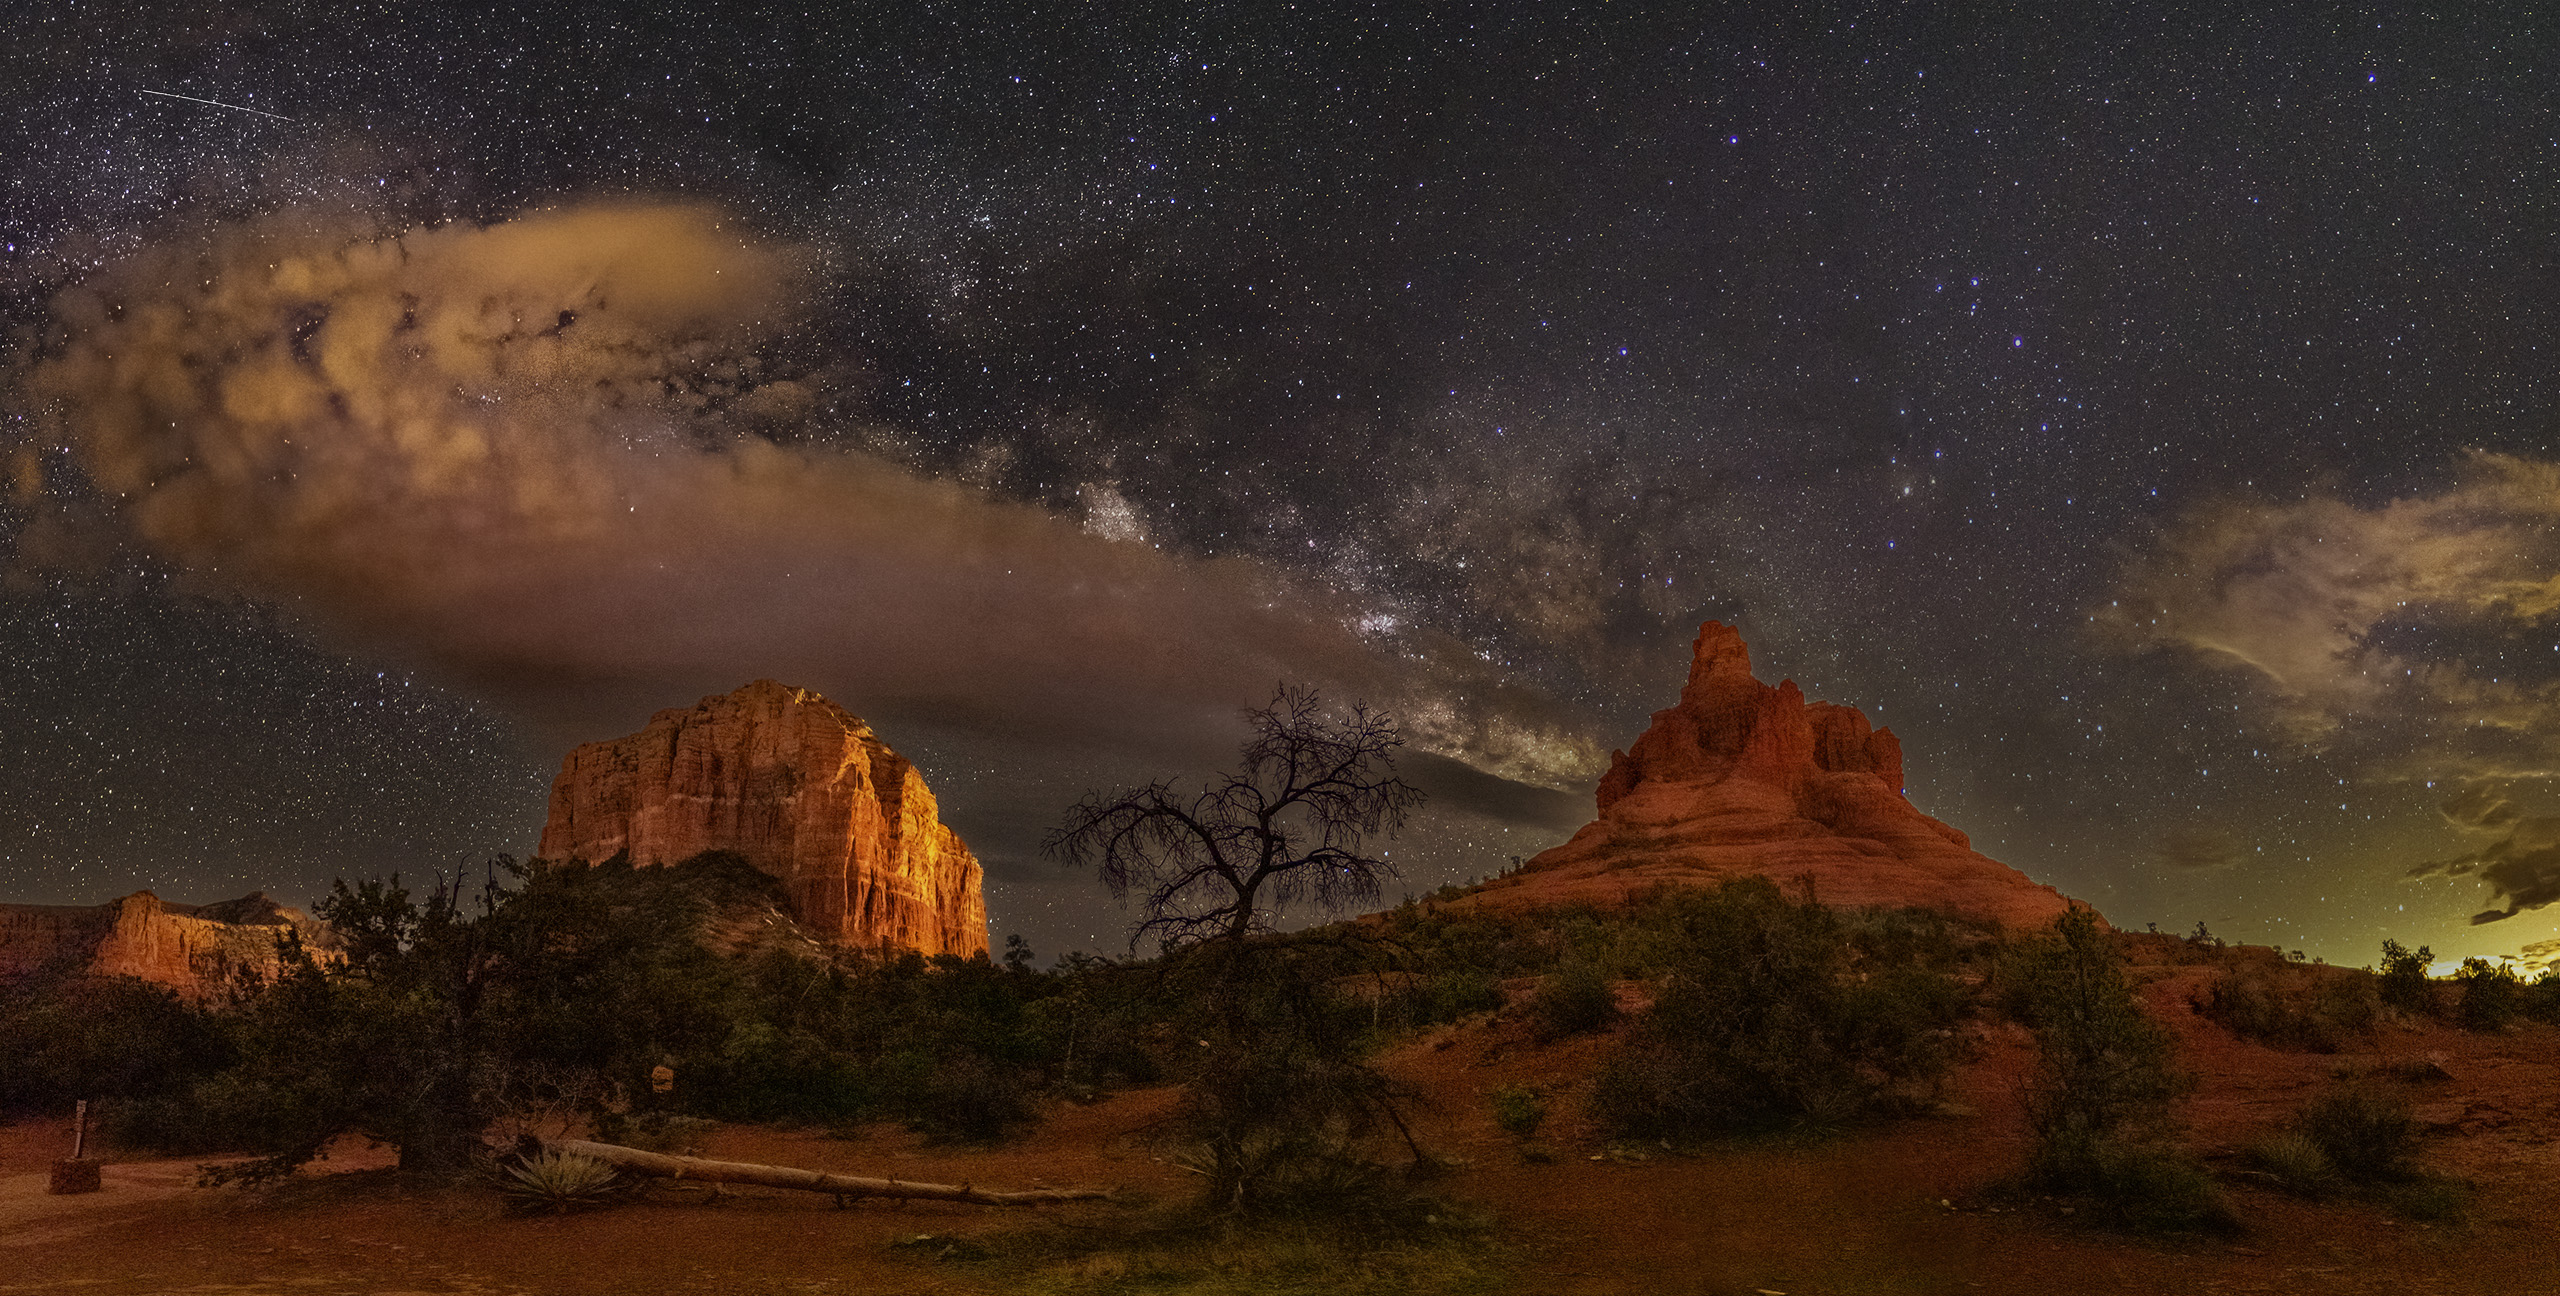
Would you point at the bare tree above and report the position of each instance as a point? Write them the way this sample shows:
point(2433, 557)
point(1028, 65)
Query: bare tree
point(1278, 1093)
point(1289, 827)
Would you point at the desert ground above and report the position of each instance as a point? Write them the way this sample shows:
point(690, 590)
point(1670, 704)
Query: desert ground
point(1917, 1206)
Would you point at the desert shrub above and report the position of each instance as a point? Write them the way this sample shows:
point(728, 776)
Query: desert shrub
point(558, 1182)
point(125, 1042)
point(2430, 1198)
point(2297, 1165)
point(1519, 1110)
point(2404, 984)
point(2539, 999)
point(2359, 1137)
point(561, 987)
point(2364, 1131)
point(653, 1131)
point(1446, 995)
point(1279, 1099)
point(1497, 945)
point(2492, 996)
point(959, 1049)
point(1459, 993)
point(2292, 1008)
point(2101, 1102)
point(2155, 1188)
point(1575, 999)
point(1773, 1015)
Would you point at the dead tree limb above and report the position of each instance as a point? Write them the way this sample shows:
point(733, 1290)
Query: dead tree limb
point(845, 1187)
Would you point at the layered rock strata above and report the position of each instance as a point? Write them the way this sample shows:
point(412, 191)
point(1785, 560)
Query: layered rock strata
point(801, 788)
point(1740, 779)
point(196, 950)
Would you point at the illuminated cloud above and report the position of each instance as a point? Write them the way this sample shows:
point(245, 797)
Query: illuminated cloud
point(2415, 640)
point(544, 455)
point(2538, 958)
point(2419, 634)
point(2523, 869)
point(2412, 608)
point(2482, 807)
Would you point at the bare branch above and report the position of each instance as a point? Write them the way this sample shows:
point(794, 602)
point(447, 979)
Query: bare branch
point(1287, 827)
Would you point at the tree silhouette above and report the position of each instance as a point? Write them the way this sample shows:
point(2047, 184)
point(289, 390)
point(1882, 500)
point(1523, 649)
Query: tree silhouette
point(1289, 826)
point(1279, 1096)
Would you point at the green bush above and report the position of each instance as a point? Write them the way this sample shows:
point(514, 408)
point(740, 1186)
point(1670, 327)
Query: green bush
point(2492, 996)
point(2365, 1131)
point(122, 1042)
point(1445, 995)
point(2101, 1102)
point(1575, 999)
point(2296, 1008)
point(2154, 1188)
point(561, 987)
point(1775, 1013)
point(2540, 999)
point(2404, 984)
point(1279, 1098)
point(1459, 993)
point(1519, 1110)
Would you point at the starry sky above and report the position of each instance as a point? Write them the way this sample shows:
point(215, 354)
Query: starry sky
point(2145, 414)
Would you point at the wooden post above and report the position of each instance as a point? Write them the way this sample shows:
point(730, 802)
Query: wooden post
point(77, 1174)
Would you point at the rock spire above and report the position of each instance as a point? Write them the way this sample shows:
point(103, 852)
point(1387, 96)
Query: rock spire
point(1742, 778)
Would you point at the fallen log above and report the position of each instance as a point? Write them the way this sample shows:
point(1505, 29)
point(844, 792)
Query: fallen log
point(845, 1187)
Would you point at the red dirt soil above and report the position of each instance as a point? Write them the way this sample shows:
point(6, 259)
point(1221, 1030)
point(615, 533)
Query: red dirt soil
point(1904, 1208)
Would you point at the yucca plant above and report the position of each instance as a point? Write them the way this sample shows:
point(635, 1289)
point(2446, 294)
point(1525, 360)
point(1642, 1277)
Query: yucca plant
point(559, 1182)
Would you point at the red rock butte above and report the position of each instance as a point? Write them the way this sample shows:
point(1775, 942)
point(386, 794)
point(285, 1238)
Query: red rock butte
point(1743, 779)
point(801, 788)
point(195, 950)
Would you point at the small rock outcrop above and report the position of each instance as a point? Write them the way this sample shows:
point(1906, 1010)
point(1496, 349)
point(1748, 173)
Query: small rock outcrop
point(196, 950)
point(802, 789)
point(1741, 778)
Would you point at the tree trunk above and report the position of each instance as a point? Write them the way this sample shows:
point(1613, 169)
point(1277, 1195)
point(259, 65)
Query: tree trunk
point(659, 1165)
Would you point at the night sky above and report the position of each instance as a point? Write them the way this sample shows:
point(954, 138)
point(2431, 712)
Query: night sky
point(2147, 416)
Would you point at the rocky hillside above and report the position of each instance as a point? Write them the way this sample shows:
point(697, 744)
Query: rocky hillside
point(1743, 778)
point(803, 790)
point(195, 950)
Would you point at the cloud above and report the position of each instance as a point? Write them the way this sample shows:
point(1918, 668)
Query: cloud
point(2414, 640)
point(2196, 850)
point(552, 457)
point(2483, 807)
point(2422, 629)
point(2538, 958)
point(2522, 869)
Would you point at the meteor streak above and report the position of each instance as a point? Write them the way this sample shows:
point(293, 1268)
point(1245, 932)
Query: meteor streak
point(219, 104)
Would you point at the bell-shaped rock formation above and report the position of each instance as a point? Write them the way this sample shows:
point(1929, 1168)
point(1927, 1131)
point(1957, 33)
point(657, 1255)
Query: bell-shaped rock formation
point(799, 787)
point(1741, 778)
point(196, 950)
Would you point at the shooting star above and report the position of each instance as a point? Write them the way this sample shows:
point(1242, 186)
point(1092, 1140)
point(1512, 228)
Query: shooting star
point(219, 104)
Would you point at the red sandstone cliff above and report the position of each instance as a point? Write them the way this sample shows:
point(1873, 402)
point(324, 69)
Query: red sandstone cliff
point(801, 788)
point(195, 950)
point(1741, 778)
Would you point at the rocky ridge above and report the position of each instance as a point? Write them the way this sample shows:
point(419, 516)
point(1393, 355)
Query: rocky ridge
point(801, 788)
point(1740, 779)
point(196, 950)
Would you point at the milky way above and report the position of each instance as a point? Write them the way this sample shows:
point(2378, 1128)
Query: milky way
point(2149, 423)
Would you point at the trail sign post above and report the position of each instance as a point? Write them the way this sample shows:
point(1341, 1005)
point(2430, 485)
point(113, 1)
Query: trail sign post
point(78, 1174)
